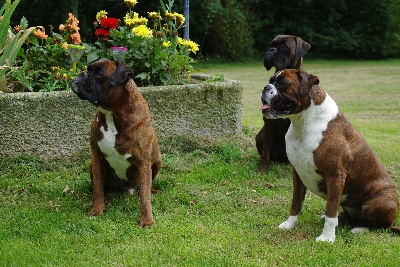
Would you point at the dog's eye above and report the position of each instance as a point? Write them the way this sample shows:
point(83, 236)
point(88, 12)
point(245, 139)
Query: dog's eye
point(280, 83)
point(285, 47)
point(97, 72)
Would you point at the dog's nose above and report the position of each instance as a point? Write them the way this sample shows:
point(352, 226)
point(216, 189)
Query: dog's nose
point(267, 88)
point(84, 74)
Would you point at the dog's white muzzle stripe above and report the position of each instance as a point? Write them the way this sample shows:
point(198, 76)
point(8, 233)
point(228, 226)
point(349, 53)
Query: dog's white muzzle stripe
point(268, 93)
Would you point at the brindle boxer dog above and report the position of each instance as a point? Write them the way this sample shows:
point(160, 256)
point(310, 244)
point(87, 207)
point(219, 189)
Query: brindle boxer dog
point(125, 152)
point(329, 156)
point(284, 52)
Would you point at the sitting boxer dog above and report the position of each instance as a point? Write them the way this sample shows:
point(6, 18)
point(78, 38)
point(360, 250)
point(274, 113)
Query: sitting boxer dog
point(284, 52)
point(329, 157)
point(125, 152)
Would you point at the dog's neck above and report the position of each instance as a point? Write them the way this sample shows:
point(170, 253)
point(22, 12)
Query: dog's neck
point(304, 122)
point(297, 64)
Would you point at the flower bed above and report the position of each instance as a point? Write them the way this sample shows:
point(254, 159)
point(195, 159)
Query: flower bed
point(57, 124)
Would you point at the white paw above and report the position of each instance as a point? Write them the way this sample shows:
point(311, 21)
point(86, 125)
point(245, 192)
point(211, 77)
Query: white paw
point(131, 191)
point(358, 230)
point(328, 233)
point(289, 224)
point(326, 238)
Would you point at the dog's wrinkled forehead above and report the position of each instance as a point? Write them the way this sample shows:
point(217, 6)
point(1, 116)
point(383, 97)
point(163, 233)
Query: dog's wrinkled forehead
point(291, 74)
point(104, 65)
point(276, 76)
point(280, 40)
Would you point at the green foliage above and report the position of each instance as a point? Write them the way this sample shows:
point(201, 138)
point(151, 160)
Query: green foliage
point(219, 77)
point(157, 55)
point(225, 27)
point(44, 67)
point(335, 29)
point(233, 29)
point(341, 29)
point(10, 43)
point(45, 63)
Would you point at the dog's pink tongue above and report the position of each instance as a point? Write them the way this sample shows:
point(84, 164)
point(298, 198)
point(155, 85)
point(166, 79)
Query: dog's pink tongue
point(265, 106)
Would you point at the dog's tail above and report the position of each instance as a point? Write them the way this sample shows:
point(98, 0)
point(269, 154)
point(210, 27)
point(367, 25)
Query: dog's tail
point(394, 229)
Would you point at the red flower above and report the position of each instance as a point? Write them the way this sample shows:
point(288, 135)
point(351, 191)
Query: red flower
point(101, 33)
point(110, 23)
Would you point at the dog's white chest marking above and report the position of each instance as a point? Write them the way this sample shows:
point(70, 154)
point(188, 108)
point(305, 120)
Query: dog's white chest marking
point(107, 145)
point(303, 138)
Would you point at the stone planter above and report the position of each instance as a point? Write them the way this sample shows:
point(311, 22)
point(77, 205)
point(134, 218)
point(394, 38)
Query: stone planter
point(57, 124)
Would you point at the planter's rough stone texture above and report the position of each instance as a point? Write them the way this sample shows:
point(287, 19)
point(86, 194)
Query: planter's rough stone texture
point(57, 124)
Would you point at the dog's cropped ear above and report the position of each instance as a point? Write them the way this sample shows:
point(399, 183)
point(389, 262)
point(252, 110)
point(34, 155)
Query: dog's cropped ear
point(302, 47)
point(121, 74)
point(307, 83)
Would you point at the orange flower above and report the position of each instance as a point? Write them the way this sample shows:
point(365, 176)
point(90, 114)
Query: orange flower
point(76, 38)
point(40, 32)
point(17, 28)
point(72, 20)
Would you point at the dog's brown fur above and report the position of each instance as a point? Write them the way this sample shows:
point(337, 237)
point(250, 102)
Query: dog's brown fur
point(136, 137)
point(351, 174)
point(284, 52)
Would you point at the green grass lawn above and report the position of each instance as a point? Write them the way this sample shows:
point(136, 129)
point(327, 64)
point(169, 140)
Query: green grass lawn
point(216, 210)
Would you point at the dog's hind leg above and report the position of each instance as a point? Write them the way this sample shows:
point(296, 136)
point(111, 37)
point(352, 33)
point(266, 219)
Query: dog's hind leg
point(381, 210)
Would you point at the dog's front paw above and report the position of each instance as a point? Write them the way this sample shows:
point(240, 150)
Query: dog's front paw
point(289, 224)
point(263, 168)
point(145, 222)
point(95, 212)
point(326, 238)
point(328, 233)
point(358, 230)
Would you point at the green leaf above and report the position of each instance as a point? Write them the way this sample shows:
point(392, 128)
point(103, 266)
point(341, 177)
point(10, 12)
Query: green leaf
point(33, 40)
point(92, 56)
point(165, 80)
point(142, 76)
point(23, 24)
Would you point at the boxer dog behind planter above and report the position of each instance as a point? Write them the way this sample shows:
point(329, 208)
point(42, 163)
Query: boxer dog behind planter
point(329, 157)
point(284, 52)
point(125, 152)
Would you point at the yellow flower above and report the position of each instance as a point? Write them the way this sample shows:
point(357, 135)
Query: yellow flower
point(132, 19)
point(166, 43)
point(130, 3)
point(154, 15)
point(180, 19)
point(64, 45)
point(129, 22)
point(190, 45)
point(61, 27)
point(143, 21)
point(169, 16)
point(101, 15)
point(142, 31)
